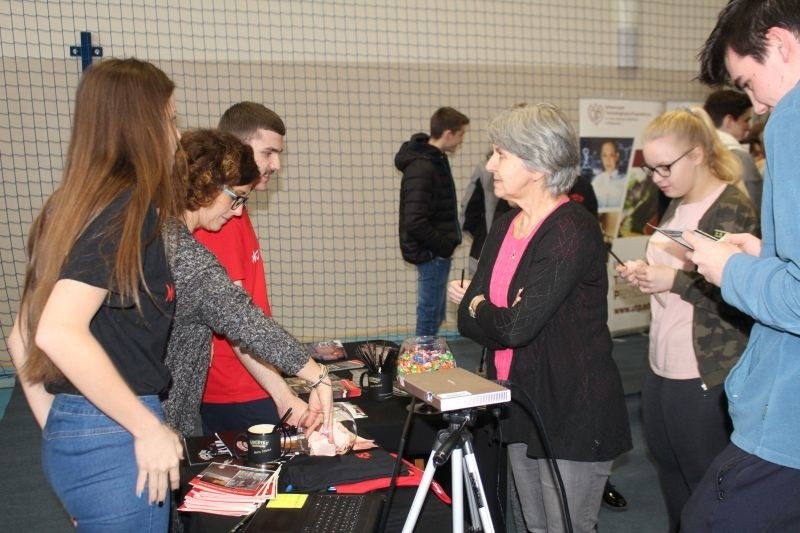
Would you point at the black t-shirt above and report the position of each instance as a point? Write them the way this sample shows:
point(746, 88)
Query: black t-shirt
point(135, 341)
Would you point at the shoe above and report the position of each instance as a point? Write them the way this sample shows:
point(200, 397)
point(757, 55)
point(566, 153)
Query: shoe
point(613, 499)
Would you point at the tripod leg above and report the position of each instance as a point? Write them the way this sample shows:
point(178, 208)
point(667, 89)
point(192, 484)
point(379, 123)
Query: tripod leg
point(419, 497)
point(476, 486)
point(475, 518)
point(458, 488)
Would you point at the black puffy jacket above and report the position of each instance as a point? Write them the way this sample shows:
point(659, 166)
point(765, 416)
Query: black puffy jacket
point(428, 206)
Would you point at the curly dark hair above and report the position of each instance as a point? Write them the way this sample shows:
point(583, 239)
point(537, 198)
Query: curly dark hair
point(216, 159)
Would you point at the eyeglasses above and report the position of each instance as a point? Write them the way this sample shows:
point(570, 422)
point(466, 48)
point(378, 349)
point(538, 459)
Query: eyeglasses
point(238, 201)
point(664, 170)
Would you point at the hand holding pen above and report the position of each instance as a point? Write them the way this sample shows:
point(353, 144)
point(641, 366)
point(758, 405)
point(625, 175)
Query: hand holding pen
point(456, 289)
point(648, 279)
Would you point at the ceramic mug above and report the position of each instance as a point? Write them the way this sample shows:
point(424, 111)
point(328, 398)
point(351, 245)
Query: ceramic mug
point(261, 444)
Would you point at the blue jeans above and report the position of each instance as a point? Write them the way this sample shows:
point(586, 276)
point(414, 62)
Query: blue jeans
point(432, 294)
point(90, 463)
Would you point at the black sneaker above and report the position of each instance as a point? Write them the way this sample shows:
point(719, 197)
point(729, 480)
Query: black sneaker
point(613, 499)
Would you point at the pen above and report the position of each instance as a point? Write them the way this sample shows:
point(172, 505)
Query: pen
point(657, 296)
point(615, 256)
point(462, 278)
point(285, 417)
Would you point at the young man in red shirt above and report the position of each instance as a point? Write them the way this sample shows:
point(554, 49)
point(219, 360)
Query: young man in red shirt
point(242, 391)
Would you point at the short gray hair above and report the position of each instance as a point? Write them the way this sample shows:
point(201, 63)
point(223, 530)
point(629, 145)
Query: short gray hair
point(543, 138)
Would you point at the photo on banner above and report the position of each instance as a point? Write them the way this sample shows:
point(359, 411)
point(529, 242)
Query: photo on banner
point(611, 154)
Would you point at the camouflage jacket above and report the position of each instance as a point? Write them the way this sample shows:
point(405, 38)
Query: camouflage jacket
point(720, 330)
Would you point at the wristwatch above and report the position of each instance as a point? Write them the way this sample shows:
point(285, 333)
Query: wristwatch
point(473, 305)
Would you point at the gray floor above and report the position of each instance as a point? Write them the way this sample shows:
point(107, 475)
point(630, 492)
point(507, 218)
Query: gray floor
point(634, 474)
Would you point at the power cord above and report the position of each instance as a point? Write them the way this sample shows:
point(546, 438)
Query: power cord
point(536, 418)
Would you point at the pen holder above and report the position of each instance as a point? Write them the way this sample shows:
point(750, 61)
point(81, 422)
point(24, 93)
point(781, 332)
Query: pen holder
point(379, 386)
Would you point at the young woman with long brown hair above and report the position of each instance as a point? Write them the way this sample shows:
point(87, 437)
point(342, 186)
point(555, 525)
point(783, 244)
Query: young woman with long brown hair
point(91, 333)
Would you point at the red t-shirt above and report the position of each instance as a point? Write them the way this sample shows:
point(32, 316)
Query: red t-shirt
point(237, 249)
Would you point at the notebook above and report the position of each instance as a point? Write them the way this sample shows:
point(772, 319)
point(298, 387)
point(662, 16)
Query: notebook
point(454, 388)
point(321, 513)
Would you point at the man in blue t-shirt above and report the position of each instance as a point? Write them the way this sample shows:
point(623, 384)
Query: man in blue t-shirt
point(754, 484)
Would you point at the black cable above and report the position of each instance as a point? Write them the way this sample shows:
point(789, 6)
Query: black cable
point(537, 421)
point(497, 493)
point(401, 448)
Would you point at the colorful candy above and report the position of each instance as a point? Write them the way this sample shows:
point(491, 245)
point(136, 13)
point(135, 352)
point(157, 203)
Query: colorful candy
point(414, 359)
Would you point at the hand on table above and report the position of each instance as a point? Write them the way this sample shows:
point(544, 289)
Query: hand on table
point(301, 415)
point(320, 403)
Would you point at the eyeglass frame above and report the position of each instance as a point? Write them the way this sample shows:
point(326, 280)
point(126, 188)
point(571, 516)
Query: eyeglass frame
point(238, 200)
point(649, 171)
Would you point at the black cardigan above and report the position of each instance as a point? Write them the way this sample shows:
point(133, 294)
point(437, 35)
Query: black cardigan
point(562, 346)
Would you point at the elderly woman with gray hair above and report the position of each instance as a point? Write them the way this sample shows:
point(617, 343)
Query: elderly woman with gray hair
point(538, 302)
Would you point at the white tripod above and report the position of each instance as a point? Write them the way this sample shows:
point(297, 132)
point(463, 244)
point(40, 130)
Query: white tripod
point(455, 440)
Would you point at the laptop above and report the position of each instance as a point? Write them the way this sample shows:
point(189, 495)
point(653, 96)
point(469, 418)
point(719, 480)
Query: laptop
point(321, 513)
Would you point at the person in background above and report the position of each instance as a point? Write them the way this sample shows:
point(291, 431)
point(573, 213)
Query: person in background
point(609, 185)
point(242, 390)
point(429, 227)
point(732, 114)
point(754, 484)
point(755, 142)
point(695, 337)
point(478, 210)
point(92, 328)
point(538, 303)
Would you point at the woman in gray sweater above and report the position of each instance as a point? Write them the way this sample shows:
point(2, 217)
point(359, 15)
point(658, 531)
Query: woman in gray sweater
point(221, 173)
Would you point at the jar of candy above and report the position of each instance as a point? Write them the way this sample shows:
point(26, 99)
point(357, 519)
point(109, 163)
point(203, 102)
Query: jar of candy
point(424, 354)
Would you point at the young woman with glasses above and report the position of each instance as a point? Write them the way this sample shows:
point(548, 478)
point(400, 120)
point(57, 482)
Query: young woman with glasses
point(221, 173)
point(695, 338)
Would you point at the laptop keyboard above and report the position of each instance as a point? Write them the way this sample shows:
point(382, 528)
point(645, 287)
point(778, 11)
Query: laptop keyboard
point(337, 513)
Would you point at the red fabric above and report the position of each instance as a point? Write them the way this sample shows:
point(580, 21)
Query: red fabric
point(413, 479)
point(237, 248)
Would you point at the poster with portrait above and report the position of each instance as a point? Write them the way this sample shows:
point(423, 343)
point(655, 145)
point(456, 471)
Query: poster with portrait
point(604, 161)
point(611, 156)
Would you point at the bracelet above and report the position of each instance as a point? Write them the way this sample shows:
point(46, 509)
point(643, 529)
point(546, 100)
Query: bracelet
point(473, 305)
point(323, 373)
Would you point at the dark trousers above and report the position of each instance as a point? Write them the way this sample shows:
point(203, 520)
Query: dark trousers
point(744, 493)
point(237, 416)
point(685, 428)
